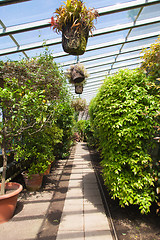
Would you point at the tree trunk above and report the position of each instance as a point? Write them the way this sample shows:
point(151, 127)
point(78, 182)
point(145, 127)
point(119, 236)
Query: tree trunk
point(4, 155)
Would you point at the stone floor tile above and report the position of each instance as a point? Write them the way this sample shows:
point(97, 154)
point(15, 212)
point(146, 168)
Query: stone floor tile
point(70, 235)
point(71, 222)
point(98, 235)
point(93, 200)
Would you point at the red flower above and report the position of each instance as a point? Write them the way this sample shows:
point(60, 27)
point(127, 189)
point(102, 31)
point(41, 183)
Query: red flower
point(53, 23)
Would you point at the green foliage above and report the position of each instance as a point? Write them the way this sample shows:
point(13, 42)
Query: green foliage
point(89, 134)
point(123, 115)
point(75, 12)
point(81, 127)
point(40, 148)
point(151, 60)
point(65, 121)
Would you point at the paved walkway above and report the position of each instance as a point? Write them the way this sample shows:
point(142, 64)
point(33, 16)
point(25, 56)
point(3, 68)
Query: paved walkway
point(83, 216)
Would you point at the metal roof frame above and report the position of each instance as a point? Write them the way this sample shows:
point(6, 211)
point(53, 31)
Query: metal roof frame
point(99, 70)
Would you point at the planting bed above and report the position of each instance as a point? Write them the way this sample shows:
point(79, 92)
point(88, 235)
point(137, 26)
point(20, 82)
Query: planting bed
point(129, 224)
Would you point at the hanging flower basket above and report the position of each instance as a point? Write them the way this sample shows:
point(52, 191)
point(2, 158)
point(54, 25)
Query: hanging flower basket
point(75, 22)
point(77, 74)
point(74, 41)
point(78, 89)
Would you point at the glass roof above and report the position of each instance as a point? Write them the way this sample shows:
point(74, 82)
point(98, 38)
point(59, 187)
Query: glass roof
point(122, 30)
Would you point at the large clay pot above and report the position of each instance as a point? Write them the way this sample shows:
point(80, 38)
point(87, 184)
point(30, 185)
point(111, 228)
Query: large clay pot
point(33, 182)
point(8, 201)
point(48, 170)
point(74, 40)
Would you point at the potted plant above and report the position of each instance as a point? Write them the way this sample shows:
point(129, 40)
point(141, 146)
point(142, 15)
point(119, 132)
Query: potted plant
point(75, 22)
point(8, 191)
point(77, 75)
point(33, 177)
point(39, 148)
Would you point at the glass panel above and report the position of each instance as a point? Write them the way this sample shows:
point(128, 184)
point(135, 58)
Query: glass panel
point(122, 57)
point(6, 42)
point(114, 19)
point(125, 64)
point(144, 30)
point(103, 3)
point(35, 36)
point(98, 62)
point(28, 11)
point(107, 38)
point(129, 67)
point(91, 71)
point(12, 57)
point(102, 51)
point(150, 12)
point(140, 43)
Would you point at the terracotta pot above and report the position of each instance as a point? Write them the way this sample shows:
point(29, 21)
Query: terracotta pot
point(74, 41)
point(33, 182)
point(8, 201)
point(78, 89)
point(48, 170)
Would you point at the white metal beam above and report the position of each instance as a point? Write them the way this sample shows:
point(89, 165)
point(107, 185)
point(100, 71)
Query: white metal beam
point(102, 11)
point(89, 48)
point(125, 6)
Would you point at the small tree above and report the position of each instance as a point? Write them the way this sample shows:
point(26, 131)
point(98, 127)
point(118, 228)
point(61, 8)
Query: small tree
point(23, 110)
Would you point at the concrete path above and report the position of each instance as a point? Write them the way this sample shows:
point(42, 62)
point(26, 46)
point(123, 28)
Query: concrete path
point(83, 216)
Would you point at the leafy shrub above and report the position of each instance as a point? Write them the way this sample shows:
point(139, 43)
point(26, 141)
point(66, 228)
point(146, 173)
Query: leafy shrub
point(123, 116)
point(65, 121)
point(81, 127)
point(89, 134)
point(151, 65)
point(151, 60)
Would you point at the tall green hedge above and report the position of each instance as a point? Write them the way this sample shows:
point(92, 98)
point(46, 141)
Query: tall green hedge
point(123, 115)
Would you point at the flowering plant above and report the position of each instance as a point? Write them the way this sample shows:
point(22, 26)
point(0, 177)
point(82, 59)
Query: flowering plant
point(75, 12)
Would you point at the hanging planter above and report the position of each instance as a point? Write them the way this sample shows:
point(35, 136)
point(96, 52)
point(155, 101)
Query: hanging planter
point(79, 89)
point(77, 74)
point(75, 22)
point(74, 42)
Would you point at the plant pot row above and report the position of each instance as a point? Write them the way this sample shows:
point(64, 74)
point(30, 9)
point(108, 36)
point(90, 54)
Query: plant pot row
point(8, 201)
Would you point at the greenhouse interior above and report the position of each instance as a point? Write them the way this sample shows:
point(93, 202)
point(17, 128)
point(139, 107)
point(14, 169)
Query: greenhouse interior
point(79, 110)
